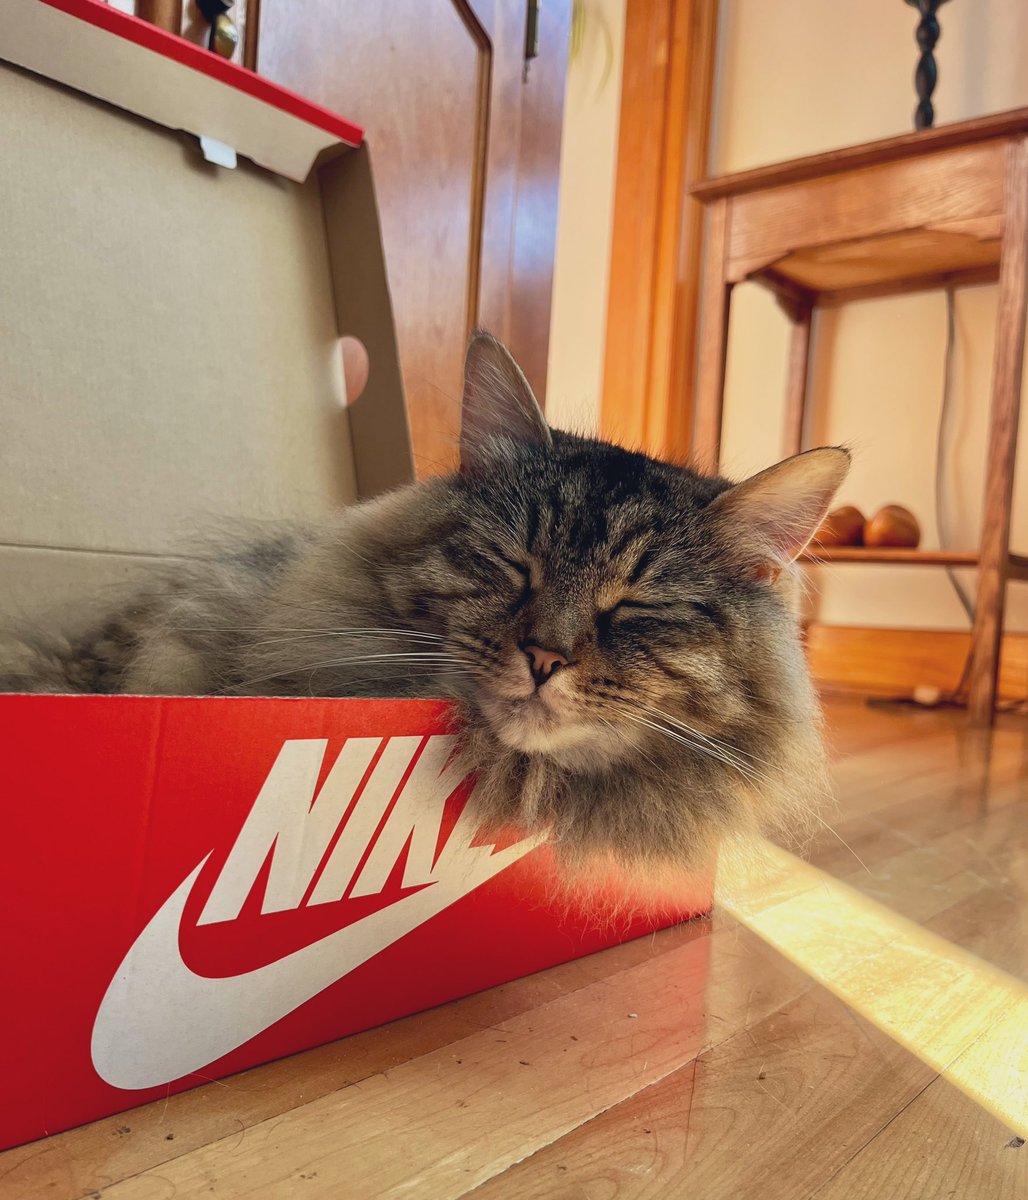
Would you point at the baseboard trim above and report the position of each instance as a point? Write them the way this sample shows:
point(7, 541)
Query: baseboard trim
point(857, 660)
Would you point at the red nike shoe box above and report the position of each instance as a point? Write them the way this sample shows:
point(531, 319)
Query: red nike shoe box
point(196, 886)
point(191, 887)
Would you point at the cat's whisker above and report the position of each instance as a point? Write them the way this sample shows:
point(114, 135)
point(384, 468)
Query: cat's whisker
point(730, 760)
point(744, 757)
point(371, 635)
point(727, 755)
point(701, 747)
point(691, 729)
point(649, 758)
point(395, 659)
point(398, 657)
point(312, 629)
point(674, 735)
point(838, 836)
point(691, 732)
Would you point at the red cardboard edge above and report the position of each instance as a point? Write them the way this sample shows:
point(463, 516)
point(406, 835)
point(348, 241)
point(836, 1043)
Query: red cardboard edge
point(160, 41)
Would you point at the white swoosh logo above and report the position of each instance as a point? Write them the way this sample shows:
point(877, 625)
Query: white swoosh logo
point(159, 1020)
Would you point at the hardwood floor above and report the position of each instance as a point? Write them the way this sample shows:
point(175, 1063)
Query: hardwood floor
point(838, 1061)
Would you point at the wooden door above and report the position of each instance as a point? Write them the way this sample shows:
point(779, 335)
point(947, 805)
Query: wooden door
point(466, 150)
point(653, 299)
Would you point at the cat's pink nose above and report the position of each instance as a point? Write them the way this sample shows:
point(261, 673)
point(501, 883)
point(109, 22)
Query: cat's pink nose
point(543, 662)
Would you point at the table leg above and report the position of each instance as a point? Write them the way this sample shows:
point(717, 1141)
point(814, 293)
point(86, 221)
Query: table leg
point(999, 470)
point(715, 300)
point(801, 316)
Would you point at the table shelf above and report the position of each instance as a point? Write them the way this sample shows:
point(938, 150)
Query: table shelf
point(907, 557)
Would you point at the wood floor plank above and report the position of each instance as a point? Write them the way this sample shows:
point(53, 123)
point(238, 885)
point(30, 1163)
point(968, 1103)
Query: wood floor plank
point(941, 1145)
point(855, 726)
point(467, 1112)
point(498, 1005)
point(82, 1161)
point(917, 883)
point(991, 923)
point(878, 782)
point(922, 816)
point(959, 1014)
point(994, 847)
point(970, 787)
point(925, 875)
point(770, 1113)
point(453, 1118)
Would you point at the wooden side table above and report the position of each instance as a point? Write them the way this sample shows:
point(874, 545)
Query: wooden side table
point(925, 210)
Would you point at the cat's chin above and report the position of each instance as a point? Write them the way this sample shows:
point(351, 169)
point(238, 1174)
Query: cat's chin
point(532, 728)
point(545, 739)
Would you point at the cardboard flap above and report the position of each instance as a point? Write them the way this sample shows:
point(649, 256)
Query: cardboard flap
point(378, 419)
point(130, 63)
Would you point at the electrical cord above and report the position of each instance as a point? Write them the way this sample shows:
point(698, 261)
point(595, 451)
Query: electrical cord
point(956, 698)
point(941, 517)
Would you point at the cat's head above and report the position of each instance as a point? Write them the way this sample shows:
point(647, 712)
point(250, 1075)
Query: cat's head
point(608, 606)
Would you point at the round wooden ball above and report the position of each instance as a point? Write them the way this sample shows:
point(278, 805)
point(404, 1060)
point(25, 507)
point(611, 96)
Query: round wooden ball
point(842, 527)
point(892, 525)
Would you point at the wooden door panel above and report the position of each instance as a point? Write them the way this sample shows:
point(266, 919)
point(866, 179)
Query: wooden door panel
point(466, 151)
point(414, 73)
point(538, 174)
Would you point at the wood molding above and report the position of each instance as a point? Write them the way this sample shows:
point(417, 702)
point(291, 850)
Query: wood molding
point(650, 358)
point(165, 13)
point(868, 154)
point(892, 662)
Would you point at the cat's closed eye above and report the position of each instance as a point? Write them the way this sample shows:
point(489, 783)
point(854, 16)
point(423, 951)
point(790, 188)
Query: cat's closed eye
point(630, 605)
point(654, 614)
point(518, 566)
point(520, 575)
point(683, 609)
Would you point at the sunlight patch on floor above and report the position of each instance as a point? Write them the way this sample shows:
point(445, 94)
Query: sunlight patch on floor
point(963, 1017)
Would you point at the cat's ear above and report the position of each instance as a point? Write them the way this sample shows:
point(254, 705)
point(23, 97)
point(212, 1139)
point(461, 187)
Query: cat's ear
point(497, 401)
point(771, 517)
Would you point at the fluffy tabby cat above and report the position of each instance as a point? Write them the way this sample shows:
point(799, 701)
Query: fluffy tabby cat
point(615, 631)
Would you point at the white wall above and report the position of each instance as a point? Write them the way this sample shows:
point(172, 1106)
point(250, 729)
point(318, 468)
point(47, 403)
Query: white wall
point(800, 76)
point(582, 268)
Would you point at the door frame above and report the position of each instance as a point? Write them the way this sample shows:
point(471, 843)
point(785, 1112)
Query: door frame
point(670, 57)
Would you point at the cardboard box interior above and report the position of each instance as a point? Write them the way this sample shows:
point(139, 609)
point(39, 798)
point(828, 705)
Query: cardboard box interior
point(169, 338)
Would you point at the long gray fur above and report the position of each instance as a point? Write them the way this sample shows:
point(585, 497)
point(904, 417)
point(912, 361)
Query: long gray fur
point(686, 712)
